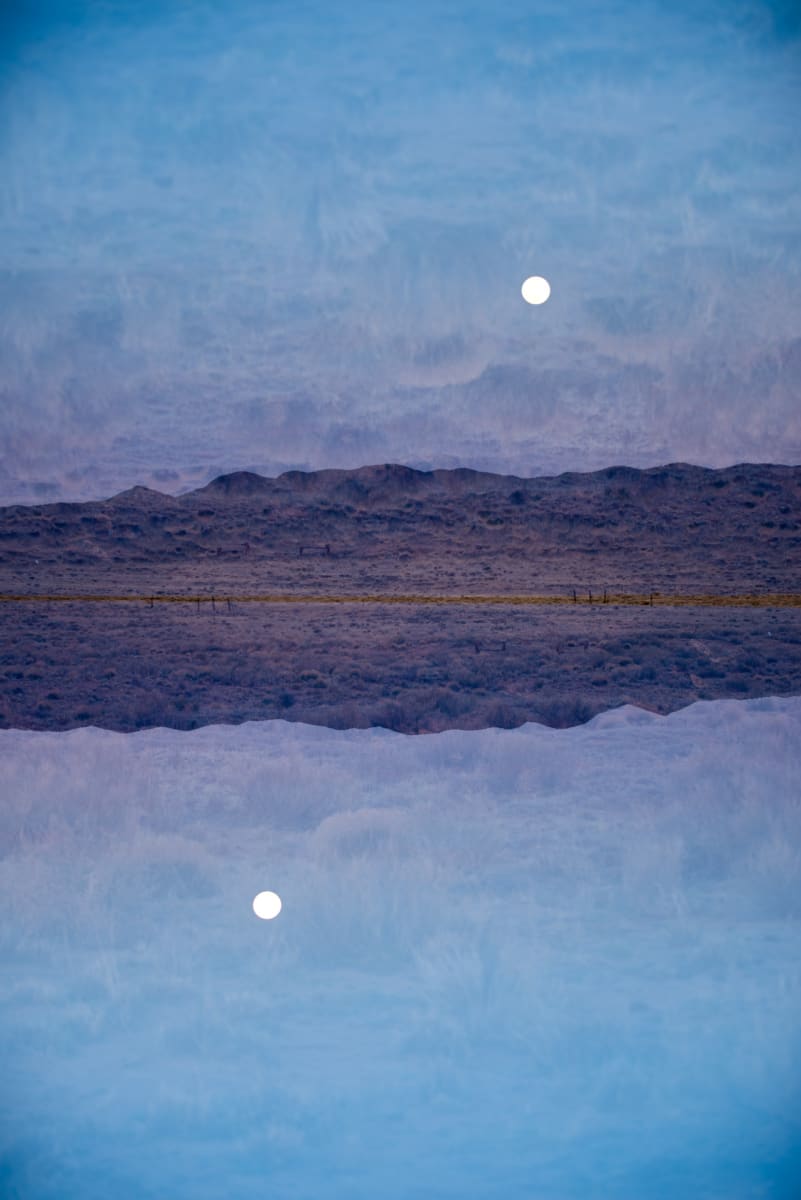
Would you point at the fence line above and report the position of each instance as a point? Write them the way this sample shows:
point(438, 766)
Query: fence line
point(652, 599)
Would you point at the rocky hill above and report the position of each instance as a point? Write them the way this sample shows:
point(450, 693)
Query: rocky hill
point(672, 528)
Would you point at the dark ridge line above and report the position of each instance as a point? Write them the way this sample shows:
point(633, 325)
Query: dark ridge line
point(379, 472)
point(579, 723)
point(402, 472)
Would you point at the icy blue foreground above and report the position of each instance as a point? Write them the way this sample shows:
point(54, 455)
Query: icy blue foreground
point(511, 965)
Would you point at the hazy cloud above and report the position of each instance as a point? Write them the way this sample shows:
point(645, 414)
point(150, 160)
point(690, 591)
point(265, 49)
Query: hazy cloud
point(264, 233)
point(500, 953)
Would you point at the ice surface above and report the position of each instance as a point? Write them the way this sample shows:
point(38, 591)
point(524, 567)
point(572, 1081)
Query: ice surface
point(523, 964)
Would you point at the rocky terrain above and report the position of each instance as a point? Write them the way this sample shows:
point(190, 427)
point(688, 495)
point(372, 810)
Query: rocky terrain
point(390, 530)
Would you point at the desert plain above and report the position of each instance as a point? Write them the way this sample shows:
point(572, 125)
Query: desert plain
point(415, 600)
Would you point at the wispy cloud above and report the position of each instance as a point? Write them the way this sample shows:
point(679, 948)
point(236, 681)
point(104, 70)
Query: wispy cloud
point(500, 953)
point(216, 216)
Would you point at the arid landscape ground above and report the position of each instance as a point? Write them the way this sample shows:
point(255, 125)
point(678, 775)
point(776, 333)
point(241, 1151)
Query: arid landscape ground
point(667, 534)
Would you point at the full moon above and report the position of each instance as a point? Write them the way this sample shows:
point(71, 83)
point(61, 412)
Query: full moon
point(267, 905)
point(536, 290)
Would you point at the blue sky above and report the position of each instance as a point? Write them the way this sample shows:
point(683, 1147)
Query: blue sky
point(510, 963)
point(272, 235)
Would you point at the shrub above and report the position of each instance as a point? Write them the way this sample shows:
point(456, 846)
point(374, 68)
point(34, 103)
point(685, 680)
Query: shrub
point(562, 714)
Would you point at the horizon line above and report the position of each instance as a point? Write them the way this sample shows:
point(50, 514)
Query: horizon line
point(296, 471)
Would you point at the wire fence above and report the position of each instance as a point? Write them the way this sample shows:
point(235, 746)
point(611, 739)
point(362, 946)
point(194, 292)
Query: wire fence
point(652, 599)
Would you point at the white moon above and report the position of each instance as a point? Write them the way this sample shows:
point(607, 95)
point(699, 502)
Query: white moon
point(536, 290)
point(267, 905)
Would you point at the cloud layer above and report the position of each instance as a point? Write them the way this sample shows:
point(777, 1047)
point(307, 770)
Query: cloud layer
point(272, 236)
point(514, 963)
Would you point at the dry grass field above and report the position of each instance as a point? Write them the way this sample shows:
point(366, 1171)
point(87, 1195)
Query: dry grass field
point(410, 667)
point(419, 601)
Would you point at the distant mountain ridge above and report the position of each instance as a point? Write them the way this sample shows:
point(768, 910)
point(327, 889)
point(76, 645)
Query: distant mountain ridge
point(390, 527)
point(395, 476)
point(391, 477)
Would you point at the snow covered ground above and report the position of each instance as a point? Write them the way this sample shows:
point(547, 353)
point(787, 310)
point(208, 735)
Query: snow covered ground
point(526, 964)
